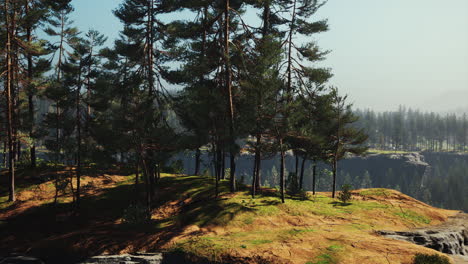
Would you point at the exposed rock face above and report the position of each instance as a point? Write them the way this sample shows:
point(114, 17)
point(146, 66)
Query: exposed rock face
point(20, 260)
point(140, 258)
point(450, 237)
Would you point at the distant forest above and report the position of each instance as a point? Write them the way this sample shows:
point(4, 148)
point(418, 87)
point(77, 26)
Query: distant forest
point(414, 130)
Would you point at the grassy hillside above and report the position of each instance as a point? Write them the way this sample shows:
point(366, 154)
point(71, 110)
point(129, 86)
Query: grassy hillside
point(233, 228)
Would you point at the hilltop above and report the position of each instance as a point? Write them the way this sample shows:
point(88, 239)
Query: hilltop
point(234, 228)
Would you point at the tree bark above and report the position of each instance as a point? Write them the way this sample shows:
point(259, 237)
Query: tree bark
point(335, 165)
point(5, 164)
point(197, 162)
point(78, 140)
point(230, 99)
point(30, 93)
point(137, 173)
point(8, 93)
point(297, 165)
point(314, 176)
point(301, 179)
point(259, 172)
point(254, 177)
point(282, 171)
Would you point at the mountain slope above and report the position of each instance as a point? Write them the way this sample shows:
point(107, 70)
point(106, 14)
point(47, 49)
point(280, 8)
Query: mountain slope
point(233, 228)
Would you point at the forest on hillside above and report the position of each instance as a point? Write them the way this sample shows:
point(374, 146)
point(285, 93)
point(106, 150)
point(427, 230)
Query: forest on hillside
point(244, 87)
point(413, 130)
point(70, 101)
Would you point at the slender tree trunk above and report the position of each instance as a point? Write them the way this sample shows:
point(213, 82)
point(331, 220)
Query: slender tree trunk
point(30, 94)
point(259, 172)
point(282, 171)
point(147, 187)
point(335, 167)
point(5, 164)
point(297, 165)
point(217, 176)
point(8, 93)
point(230, 99)
point(290, 58)
point(314, 176)
point(158, 172)
point(151, 172)
point(223, 166)
point(219, 161)
point(137, 173)
point(301, 179)
point(254, 177)
point(78, 140)
point(197, 161)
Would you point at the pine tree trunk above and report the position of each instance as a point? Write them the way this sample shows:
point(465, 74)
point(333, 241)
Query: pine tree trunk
point(290, 55)
point(301, 180)
point(78, 140)
point(197, 162)
point(314, 176)
point(5, 164)
point(254, 177)
point(282, 171)
point(137, 173)
point(230, 99)
point(223, 165)
point(147, 188)
point(219, 161)
point(335, 167)
point(30, 94)
point(297, 165)
point(8, 93)
point(259, 172)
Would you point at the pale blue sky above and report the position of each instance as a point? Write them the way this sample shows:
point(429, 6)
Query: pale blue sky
point(384, 52)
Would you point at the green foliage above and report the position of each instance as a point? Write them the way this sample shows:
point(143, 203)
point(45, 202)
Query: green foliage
point(292, 183)
point(430, 259)
point(345, 194)
point(176, 167)
point(413, 216)
point(135, 214)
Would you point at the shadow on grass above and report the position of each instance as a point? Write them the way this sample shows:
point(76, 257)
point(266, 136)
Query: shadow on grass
point(56, 235)
point(336, 203)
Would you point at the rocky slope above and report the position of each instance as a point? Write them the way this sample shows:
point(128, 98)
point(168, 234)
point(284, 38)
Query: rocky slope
point(451, 237)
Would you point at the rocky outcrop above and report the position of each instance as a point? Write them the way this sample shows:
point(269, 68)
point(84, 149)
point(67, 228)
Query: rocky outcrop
point(450, 237)
point(20, 260)
point(140, 258)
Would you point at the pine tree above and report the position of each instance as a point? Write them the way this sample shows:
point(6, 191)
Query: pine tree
point(9, 25)
point(57, 91)
point(343, 138)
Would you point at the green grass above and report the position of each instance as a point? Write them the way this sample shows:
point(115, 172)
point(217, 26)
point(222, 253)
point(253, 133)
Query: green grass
point(413, 217)
point(376, 192)
point(329, 256)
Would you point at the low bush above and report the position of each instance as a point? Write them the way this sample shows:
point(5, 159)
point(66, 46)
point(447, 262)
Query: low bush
point(430, 259)
point(345, 195)
point(135, 214)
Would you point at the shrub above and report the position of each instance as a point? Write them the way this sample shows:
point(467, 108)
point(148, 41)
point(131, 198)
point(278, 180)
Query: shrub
point(345, 195)
point(430, 259)
point(292, 183)
point(176, 167)
point(135, 214)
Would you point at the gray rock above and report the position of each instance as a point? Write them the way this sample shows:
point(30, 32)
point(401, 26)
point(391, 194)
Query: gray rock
point(138, 258)
point(20, 260)
point(450, 237)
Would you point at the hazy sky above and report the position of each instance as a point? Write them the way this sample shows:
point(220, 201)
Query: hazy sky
point(383, 52)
